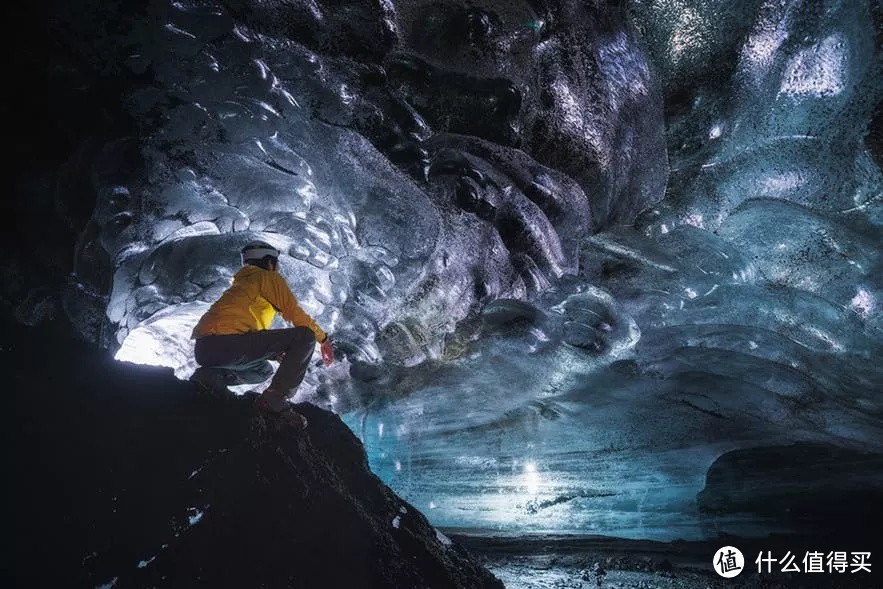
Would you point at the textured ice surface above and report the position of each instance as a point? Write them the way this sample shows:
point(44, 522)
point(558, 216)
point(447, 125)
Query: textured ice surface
point(469, 199)
point(407, 186)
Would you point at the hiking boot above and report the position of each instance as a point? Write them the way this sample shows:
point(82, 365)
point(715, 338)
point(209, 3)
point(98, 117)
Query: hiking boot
point(272, 403)
point(211, 382)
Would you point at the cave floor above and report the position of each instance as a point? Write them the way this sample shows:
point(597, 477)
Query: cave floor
point(570, 562)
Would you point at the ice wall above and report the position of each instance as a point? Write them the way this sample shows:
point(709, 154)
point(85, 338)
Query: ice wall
point(361, 153)
point(470, 197)
point(741, 311)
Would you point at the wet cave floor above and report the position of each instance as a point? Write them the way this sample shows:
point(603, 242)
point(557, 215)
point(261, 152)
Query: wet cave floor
point(584, 562)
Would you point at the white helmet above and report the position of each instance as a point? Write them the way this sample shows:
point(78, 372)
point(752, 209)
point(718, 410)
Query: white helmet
point(258, 250)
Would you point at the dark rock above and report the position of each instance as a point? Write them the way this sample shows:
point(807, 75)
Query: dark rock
point(809, 488)
point(122, 472)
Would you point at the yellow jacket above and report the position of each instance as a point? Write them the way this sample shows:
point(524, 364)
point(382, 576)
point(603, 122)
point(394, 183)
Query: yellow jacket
point(251, 304)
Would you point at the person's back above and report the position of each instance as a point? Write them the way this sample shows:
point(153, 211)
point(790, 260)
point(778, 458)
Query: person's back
point(246, 306)
point(226, 315)
point(234, 341)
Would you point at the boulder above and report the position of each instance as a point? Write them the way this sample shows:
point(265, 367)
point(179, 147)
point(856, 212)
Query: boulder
point(125, 477)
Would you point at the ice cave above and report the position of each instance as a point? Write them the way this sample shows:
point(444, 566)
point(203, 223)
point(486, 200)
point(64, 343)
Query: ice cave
point(570, 252)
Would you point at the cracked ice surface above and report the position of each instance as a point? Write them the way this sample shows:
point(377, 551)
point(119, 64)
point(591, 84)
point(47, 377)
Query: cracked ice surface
point(470, 199)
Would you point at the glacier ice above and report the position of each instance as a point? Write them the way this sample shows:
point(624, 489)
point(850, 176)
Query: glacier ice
point(570, 254)
point(396, 226)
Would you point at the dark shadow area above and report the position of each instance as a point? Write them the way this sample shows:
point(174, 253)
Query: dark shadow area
point(122, 474)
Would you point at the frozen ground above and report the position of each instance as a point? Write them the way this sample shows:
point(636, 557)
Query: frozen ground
point(546, 562)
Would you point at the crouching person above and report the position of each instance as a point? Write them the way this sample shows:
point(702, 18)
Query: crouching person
point(234, 342)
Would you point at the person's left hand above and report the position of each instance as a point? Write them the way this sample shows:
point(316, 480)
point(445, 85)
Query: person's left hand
point(327, 352)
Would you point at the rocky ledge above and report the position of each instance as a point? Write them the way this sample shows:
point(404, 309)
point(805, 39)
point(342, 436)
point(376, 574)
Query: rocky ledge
point(123, 476)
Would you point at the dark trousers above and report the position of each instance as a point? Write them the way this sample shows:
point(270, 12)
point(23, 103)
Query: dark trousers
point(242, 358)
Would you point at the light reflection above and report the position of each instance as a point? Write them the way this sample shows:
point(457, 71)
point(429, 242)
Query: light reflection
point(863, 303)
point(818, 70)
point(164, 339)
point(568, 104)
point(687, 31)
point(531, 479)
point(759, 51)
point(782, 182)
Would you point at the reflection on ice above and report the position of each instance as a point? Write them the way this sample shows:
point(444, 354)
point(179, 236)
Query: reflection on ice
point(863, 303)
point(818, 70)
point(531, 479)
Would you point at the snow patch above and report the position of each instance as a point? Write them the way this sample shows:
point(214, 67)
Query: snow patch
point(143, 564)
point(442, 538)
point(194, 519)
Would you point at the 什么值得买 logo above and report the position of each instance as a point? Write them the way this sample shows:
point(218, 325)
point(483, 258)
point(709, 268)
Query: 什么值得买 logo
point(728, 562)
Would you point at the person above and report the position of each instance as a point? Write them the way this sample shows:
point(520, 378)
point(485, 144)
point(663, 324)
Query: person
point(234, 342)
